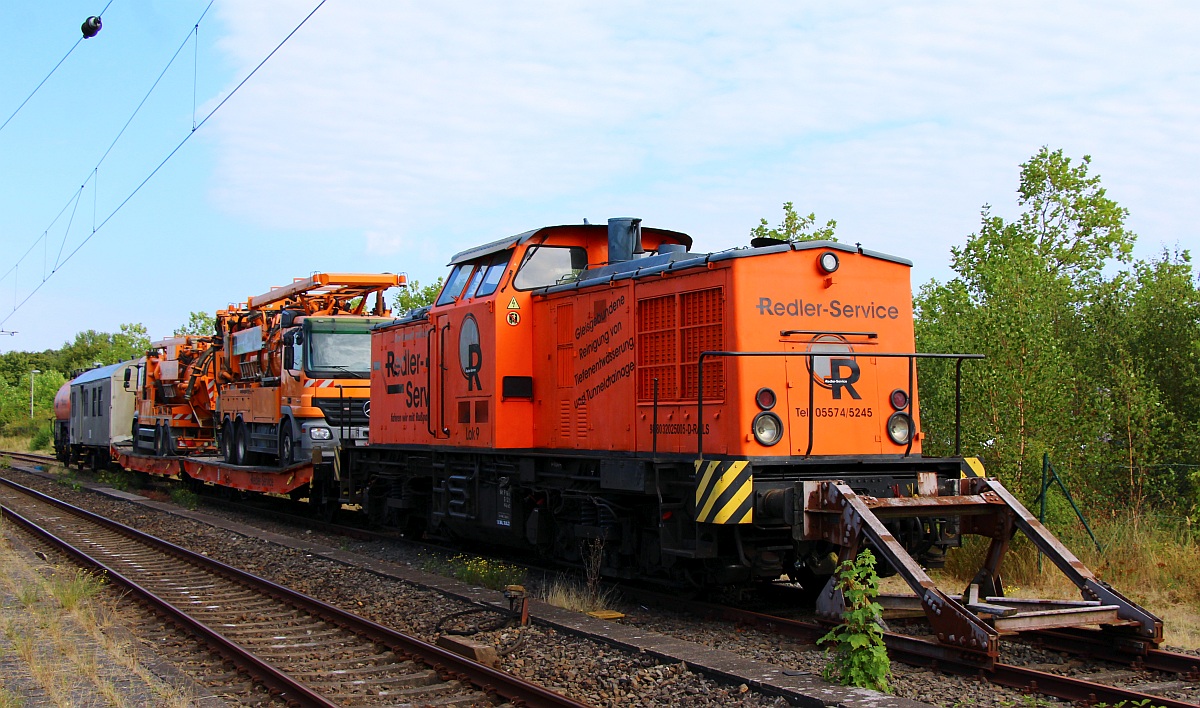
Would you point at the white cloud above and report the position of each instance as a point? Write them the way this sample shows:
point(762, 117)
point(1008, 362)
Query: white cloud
point(431, 127)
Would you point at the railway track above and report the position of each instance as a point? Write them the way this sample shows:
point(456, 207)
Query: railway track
point(907, 649)
point(303, 650)
point(1136, 654)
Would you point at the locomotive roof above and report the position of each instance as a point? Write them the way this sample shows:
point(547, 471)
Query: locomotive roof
point(653, 264)
point(505, 243)
point(102, 372)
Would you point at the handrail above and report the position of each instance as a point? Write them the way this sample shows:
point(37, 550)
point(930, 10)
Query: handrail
point(911, 356)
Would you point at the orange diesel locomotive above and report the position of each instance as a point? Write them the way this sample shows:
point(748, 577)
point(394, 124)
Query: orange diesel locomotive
point(582, 384)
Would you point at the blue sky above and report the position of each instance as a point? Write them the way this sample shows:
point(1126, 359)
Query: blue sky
point(385, 135)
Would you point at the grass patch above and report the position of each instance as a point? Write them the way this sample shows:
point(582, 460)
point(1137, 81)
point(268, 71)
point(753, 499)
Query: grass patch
point(118, 479)
point(61, 636)
point(577, 596)
point(71, 588)
point(1150, 558)
point(67, 478)
point(185, 498)
point(9, 699)
point(484, 572)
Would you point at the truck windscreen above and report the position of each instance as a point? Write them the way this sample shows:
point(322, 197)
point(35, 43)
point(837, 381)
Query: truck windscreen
point(339, 354)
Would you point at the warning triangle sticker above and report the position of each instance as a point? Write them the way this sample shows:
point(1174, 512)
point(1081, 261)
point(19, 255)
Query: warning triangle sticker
point(512, 304)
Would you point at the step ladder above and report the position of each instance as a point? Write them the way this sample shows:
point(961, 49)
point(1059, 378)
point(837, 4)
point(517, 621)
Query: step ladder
point(974, 620)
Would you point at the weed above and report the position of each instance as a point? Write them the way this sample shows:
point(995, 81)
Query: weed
point(484, 572)
point(5, 461)
point(118, 479)
point(28, 595)
point(185, 498)
point(9, 699)
point(74, 587)
point(571, 595)
point(68, 479)
point(859, 655)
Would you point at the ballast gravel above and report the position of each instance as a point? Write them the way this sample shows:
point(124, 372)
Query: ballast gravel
point(586, 670)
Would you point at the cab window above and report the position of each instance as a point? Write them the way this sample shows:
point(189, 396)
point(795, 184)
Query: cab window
point(547, 265)
point(455, 283)
point(495, 271)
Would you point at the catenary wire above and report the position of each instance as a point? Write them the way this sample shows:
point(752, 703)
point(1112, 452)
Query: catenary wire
point(160, 165)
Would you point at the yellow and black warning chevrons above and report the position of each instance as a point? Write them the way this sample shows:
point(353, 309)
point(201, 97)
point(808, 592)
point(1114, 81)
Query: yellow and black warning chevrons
point(724, 492)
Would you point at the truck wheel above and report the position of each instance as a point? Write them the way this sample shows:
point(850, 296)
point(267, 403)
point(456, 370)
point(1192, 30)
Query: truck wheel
point(286, 445)
point(225, 442)
point(241, 453)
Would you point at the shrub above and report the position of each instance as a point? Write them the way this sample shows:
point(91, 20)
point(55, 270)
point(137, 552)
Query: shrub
point(42, 438)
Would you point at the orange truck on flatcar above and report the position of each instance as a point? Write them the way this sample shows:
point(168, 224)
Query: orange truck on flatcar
point(294, 367)
point(176, 396)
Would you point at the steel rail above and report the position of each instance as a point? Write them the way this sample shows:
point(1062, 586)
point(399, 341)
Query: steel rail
point(277, 682)
point(919, 652)
point(1129, 650)
point(487, 679)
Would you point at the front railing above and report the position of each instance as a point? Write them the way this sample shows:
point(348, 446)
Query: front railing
point(912, 357)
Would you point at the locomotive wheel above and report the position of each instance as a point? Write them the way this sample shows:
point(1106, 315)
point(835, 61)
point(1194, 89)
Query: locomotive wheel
point(159, 448)
point(286, 444)
point(134, 438)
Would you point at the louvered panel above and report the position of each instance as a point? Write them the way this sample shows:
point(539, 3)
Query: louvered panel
point(581, 421)
point(564, 418)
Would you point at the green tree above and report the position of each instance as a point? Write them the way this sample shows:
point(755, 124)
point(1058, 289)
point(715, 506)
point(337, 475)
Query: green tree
point(1021, 297)
point(199, 323)
point(795, 227)
point(90, 347)
point(416, 295)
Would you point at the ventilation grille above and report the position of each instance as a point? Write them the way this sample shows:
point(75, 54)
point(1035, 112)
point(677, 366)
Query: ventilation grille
point(673, 330)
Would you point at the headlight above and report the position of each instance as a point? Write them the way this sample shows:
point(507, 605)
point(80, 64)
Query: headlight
point(900, 428)
point(828, 261)
point(768, 429)
point(320, 433)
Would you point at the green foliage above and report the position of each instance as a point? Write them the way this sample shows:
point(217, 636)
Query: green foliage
point(200, 324)
point(484, 572)
point(1067, 337)
point(14, 403)
point(42, 438)
point(91, 347)
point(416, 295)
point(859, 655)
point(795, 227)
point(118, 479)
point(185, 498)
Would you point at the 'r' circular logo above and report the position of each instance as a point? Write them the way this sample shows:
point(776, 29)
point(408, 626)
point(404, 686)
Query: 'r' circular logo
point(470, 354)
